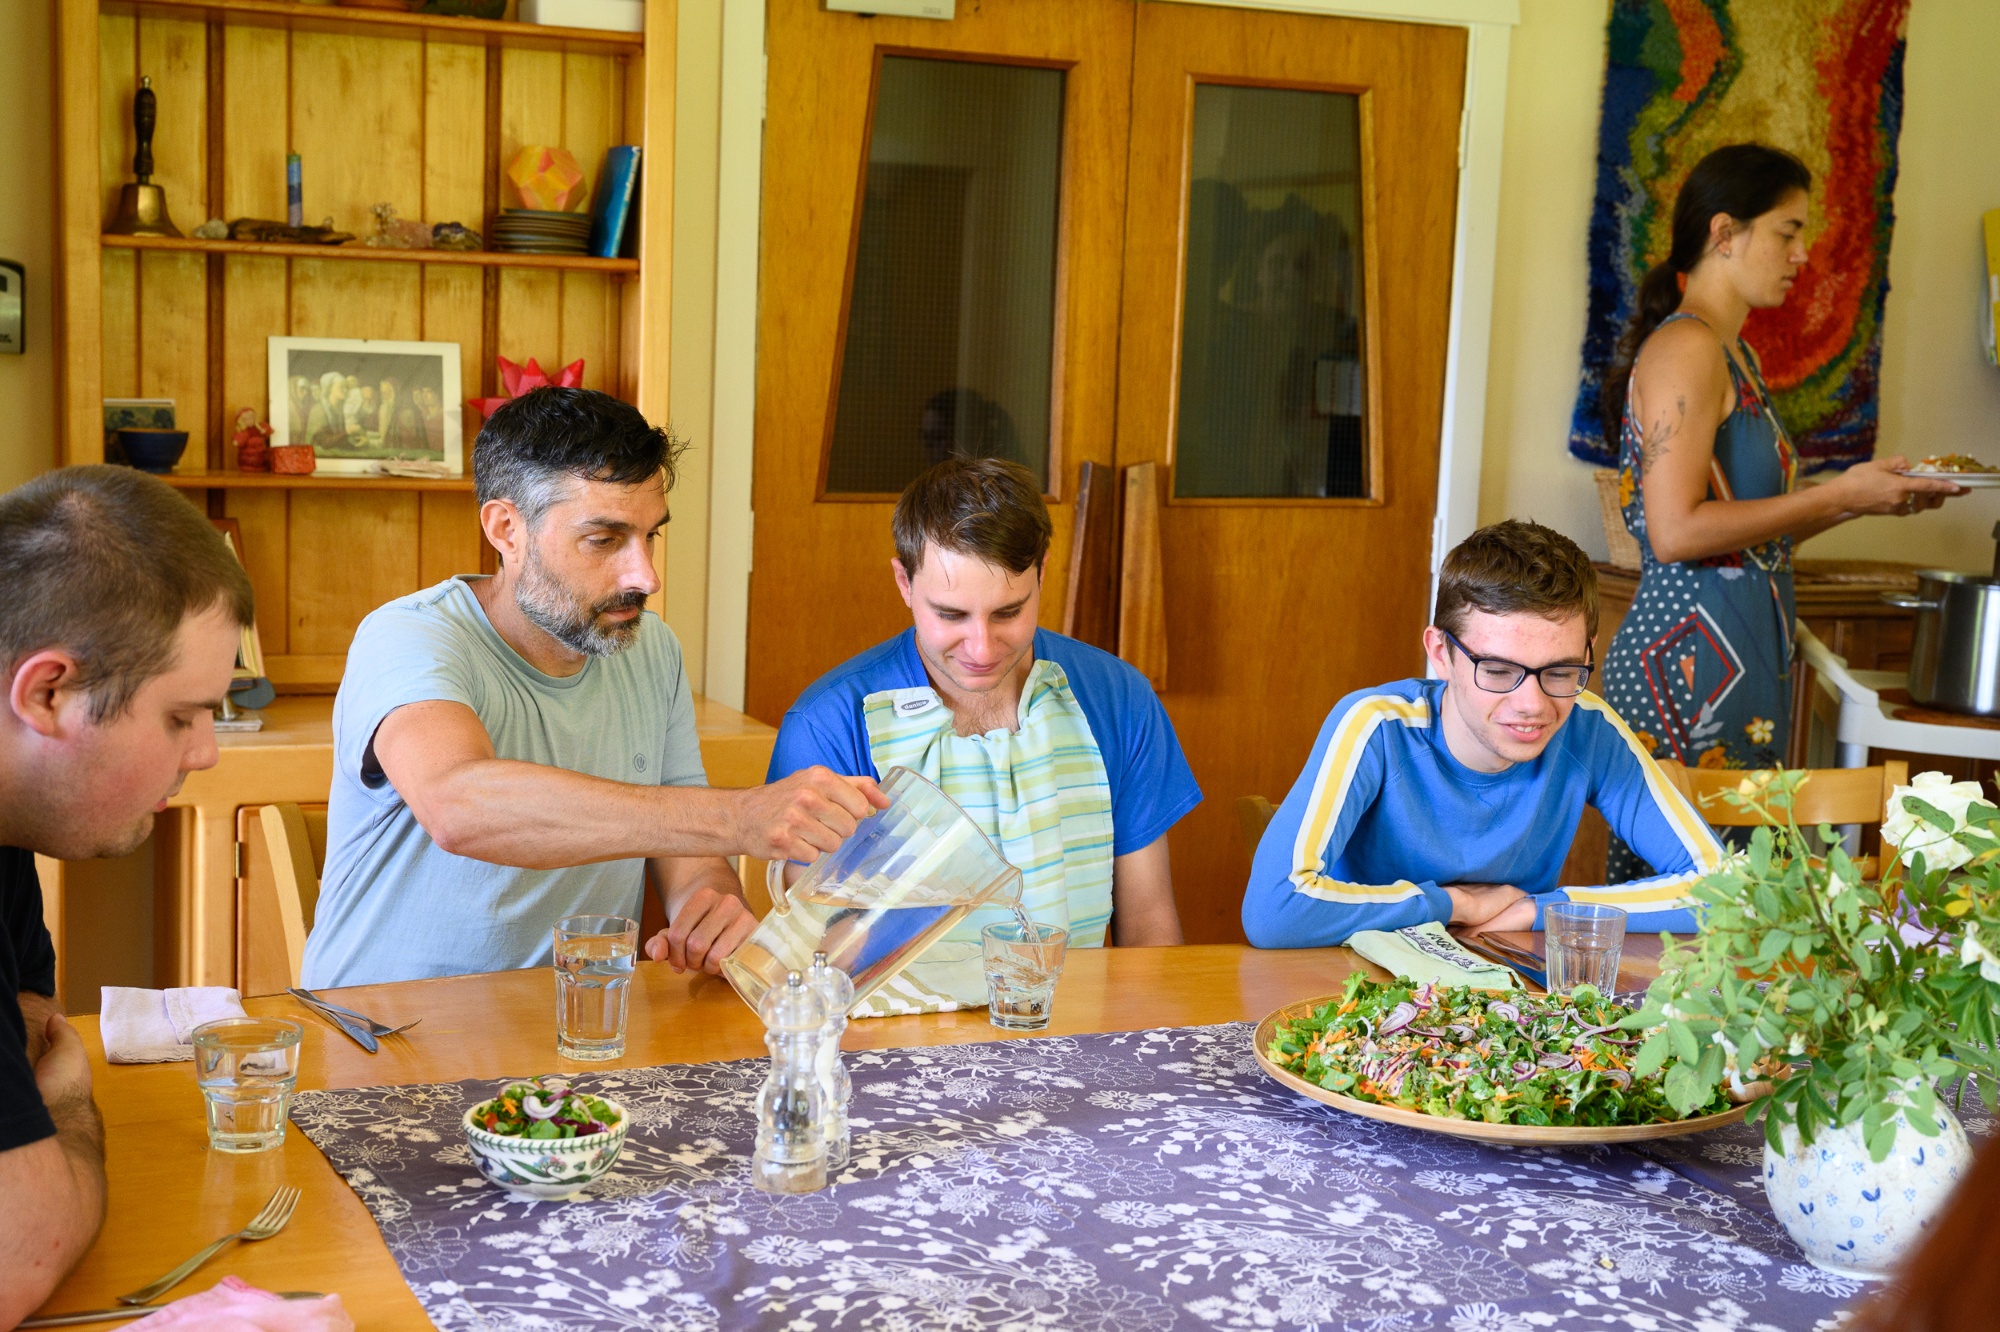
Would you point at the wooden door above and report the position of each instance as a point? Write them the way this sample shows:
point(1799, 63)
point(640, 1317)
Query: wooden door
point(836, 441)
point(1288, 249)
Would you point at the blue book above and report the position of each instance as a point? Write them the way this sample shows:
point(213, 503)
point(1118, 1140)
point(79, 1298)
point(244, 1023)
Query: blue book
point(611, 211)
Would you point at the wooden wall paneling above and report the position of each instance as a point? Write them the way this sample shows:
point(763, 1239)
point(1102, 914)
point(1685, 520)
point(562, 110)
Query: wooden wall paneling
point(454, 135)
point(254, 122)
point(342, 298)
point(118, 80)
point(350, 551)
point(454, 311)
point(592, 111)
point(119, 351)
point(173, 340)
point(530, 321)
point(531, 107)
point(174, 54)
point(448, 538)
point(263, 516)
point(589, 328)
point(78, 274)
point(257, 295)
point(630, 294)
point(654, 217)
point(358, 126)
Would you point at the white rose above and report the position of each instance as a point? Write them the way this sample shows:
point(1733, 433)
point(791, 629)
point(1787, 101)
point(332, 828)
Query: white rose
point(1912, 835)
point(1975, 951)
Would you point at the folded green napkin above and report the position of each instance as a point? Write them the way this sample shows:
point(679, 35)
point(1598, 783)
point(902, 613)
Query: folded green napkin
point(1427, 952)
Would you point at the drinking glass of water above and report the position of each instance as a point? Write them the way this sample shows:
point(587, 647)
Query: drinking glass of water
point(1023, 959)
point(247, 1068)
point(1584, 941)
point(594, 956)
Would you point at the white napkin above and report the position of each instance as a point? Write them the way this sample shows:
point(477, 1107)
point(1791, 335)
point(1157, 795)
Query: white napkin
point(157, 1026)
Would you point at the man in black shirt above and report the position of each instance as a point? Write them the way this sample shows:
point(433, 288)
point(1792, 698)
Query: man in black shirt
point(120, 614)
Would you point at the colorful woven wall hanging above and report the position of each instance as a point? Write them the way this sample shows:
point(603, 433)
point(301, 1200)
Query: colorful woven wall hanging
point(1822, 79)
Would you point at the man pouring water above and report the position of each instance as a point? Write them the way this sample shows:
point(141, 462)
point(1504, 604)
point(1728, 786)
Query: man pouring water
point(514, 750)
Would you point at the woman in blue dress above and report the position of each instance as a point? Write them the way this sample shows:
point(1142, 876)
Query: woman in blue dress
point(1701, 666)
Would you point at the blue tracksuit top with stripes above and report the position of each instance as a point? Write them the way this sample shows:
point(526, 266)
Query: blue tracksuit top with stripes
point(1383, 815)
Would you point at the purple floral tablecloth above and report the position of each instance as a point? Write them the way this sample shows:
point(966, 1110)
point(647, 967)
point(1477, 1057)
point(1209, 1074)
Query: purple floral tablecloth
point(1127, 1182)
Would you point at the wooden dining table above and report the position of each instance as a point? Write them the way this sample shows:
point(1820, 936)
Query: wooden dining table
point(170, 1194)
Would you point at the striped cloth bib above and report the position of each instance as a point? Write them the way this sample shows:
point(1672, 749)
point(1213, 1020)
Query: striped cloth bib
point(1039, 791)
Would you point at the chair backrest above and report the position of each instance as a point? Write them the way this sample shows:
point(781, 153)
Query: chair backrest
point(1254, 813)
point(1829, 795)
point(296, 839)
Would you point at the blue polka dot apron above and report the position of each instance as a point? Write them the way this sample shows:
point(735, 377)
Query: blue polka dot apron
point(1039, 791)
point(1702, 666)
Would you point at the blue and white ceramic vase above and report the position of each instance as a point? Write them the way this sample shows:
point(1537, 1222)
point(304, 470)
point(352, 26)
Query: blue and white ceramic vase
point(1852, 1214)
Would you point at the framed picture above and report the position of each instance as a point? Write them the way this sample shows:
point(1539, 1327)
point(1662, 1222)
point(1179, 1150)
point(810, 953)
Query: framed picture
point(369, 407)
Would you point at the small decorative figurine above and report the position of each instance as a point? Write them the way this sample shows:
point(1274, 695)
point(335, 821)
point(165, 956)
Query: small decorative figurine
point(213, 229)
point(142, 205)
point(396, 233)
point(546, 178)
point(253, 442)
point(518, 379)
point(455, 236)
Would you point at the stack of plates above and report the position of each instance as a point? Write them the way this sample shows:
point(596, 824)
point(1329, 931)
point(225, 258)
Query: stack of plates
point(530, 231)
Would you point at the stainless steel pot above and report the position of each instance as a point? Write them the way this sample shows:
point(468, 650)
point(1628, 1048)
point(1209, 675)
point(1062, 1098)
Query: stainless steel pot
point(1955, 655)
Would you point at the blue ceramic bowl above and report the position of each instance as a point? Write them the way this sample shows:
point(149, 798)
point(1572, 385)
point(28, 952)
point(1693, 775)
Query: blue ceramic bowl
point(152, 450)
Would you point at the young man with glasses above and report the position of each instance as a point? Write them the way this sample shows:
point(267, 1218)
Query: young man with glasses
point(1456, 798)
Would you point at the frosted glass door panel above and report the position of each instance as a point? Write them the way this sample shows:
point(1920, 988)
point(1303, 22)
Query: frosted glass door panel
point(950, 328)
point(1273, 388)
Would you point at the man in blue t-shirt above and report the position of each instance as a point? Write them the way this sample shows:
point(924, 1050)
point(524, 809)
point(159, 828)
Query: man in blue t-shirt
point(1456, 798)
point(1061, 752)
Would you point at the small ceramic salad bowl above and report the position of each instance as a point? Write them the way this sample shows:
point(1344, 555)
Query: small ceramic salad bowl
point(540, 1139)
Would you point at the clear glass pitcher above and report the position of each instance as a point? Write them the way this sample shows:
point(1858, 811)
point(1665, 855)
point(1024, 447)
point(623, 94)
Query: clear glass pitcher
point(908, 874)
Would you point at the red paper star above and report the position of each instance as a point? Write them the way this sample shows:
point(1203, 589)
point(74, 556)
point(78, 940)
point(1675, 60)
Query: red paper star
point(519, 379)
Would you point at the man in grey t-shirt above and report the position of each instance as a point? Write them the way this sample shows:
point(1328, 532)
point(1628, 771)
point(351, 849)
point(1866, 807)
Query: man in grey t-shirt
point(515, 749)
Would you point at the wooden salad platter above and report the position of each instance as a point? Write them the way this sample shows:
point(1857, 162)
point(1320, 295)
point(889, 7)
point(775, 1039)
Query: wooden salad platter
point(1512, 1135)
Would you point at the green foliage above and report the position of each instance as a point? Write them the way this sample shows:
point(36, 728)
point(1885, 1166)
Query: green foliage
point(1798, 962)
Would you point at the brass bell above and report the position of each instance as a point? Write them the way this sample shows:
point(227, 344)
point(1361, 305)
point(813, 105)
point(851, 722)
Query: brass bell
point(142, 205)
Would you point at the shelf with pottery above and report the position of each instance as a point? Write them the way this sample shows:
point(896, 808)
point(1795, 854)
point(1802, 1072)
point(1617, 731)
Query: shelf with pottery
point(324, 18)
point(451, 104)
point(579, 263)
point(231, 479)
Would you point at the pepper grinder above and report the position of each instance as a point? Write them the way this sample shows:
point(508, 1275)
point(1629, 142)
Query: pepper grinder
point(142, 205)
point(836, 991)
point(790, 1155)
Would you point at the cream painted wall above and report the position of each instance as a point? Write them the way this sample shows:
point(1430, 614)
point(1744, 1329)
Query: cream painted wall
point(27, 236)
point(1938, 394)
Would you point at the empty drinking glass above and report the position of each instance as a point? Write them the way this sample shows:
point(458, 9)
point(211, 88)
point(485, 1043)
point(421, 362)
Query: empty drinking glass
point(594, 957)
point(1584, 941)
point(1023, 959)
point(247, 1068)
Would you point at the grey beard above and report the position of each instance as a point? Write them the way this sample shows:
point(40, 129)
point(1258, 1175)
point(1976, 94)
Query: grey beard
point(550, 608)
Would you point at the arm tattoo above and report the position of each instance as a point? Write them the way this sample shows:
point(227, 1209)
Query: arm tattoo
point(1653, 446)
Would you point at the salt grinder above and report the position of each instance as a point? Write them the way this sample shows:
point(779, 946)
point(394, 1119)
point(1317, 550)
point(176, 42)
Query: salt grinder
point(791, 1146)
point(836, 991)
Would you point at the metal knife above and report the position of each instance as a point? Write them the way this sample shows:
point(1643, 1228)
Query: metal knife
point(131, 1311)
point(1529, 966)
point(356, 1029)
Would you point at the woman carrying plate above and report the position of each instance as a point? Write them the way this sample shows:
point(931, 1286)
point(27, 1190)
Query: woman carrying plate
point(1701, 666)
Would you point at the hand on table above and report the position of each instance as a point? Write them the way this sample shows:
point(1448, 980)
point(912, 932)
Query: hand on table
point(1490, 906)
point(811, 811)
point(708, 927)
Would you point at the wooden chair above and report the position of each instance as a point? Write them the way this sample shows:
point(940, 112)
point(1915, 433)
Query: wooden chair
point(1830, 795)
point(1254, 813)
point(296, 841)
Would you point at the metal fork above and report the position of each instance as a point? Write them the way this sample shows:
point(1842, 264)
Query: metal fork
point(375, 1028)
point(262, 1226)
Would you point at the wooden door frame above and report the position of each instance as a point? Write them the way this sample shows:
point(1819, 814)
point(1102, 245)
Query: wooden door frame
point(1489, 28)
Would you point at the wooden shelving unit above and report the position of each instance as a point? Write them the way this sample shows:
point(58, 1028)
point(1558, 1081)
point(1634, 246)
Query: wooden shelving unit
point(230, 479)
point(296, 17)
point(574, 263)
point(420, 111)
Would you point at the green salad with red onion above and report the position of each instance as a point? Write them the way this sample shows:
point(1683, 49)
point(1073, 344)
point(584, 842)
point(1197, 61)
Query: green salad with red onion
point(1461, 1053)
point(545, 1107)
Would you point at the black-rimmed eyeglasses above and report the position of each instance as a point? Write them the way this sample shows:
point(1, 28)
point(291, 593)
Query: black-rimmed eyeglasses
point(1496, 675)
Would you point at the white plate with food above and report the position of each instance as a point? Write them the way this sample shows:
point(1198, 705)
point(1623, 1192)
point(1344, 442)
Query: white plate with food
point(1958, 468)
